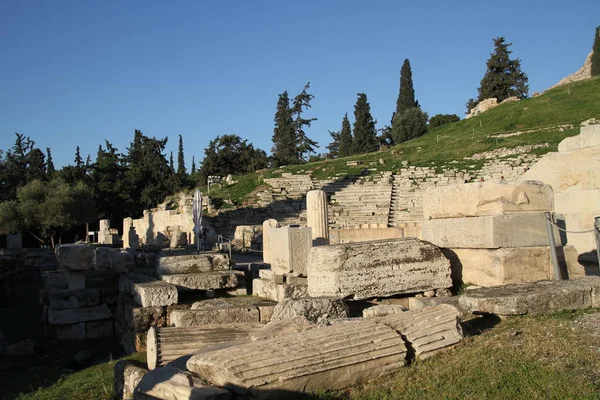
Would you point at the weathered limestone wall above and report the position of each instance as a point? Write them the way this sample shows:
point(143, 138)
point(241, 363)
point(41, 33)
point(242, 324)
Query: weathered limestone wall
point(156, 227)
point(574, 174)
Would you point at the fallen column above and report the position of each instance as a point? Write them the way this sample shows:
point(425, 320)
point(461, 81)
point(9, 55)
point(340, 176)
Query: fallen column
point(377, 269)
point(329, 357)
point(332, 357)
point(428, 330)
point(164, 345)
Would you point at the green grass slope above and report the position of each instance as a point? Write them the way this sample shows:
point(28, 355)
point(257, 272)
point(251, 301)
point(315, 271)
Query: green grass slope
point(547, 118)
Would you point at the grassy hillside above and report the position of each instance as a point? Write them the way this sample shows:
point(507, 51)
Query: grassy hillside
point(548, 118)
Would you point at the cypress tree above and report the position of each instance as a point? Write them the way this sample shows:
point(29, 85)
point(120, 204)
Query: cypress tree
point(503, 77)
point(345, 148)
point(406, 95)
point(49, 164)
point(180, 160)
point(596, 54)
point(193, 165)
point(171, 165)
point(365, 134)
point(284, 138)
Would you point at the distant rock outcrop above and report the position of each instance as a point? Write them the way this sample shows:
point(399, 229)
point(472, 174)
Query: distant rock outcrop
point(488, 104)
point(584, 72)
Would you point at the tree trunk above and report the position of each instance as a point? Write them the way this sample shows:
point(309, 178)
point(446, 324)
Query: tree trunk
point(39, 239)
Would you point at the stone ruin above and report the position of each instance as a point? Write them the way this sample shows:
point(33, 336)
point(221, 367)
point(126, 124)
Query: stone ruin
point(493, 234)
point(314, 321)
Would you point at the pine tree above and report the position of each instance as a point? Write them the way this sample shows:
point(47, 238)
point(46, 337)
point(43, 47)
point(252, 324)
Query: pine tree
point(15, 169)
point(345, 138)
point(78, 159)
point(406, 95)
point(49, 164)
point(180, 160)
point(304, 145)
point(503, 78)
point(193, 165)
point(596, 54)
point(284, 140)
point(365, 134)
point(334, 146)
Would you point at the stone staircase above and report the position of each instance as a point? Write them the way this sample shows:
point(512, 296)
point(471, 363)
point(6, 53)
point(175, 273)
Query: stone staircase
point(359, 203)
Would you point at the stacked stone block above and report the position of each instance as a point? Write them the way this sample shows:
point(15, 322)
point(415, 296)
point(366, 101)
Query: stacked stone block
point(573, 173)
point(287, 252)
point(494, 232)
point(71, 309)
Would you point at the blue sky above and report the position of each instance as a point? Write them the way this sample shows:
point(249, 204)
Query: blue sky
point(78, 72)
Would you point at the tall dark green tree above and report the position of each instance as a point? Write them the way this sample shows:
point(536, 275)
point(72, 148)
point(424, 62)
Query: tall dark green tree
point(284, 138)
point(78, 159)
point(503, 77)
point(180, 160)
point(15, 169)
point(107, 177)
point(75, 173)
point(406, 95)
point(36, 165)
point(345, 138)
point(49, 163)
point(193, 165)
point(364, 135)
point(596, 54)
point(304, 145)
point(230, 154)
point(148, 175)
point(334, 146)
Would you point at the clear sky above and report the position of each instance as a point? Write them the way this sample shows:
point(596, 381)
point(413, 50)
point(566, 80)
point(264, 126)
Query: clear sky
point(78, 72)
